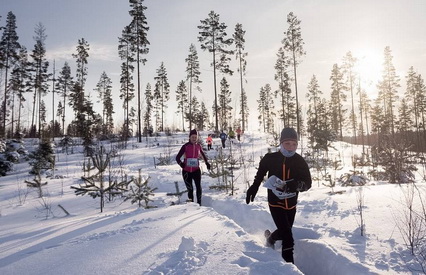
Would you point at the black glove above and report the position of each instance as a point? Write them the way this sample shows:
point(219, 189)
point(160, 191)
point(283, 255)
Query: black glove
point(294, 186)
point(251, 193)
point(208, 166)
point(182, 164)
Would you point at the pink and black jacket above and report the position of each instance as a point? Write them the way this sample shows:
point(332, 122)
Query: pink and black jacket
point(191, 153)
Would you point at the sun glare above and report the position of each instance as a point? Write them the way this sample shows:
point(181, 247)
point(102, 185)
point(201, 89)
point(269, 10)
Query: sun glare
point(369, 66)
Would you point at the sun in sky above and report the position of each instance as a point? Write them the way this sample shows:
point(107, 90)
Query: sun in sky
point(369, 66)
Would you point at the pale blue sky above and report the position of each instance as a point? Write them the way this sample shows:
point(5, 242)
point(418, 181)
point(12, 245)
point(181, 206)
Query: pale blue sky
point(330, 29)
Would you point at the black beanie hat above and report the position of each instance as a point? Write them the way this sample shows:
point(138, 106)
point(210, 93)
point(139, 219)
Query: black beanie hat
point(193, 132)
point(288, 134)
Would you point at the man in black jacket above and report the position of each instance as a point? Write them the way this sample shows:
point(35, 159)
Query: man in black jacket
point(288, 174)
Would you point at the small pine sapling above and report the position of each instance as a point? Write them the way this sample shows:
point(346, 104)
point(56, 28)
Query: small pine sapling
point(140, 192)
point(94, 185)
point(37, 183)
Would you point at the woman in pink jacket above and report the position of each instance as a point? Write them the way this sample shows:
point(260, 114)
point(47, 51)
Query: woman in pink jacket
point(191, 151)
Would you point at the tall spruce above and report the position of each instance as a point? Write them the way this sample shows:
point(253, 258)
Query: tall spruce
point(192, 76)
point(293, 42)
point(319, 127)
point(86, 118)
point(9, 48)
point(378, 125)
point(81, 56)
point(39, 77)
point(365, 104)
point(148, 109)
point(200, 114)
point(64, 85)
point(349, 62)
point(241, 55)
point(225, 107)
point(421, 98)
point(196, 110)
point(415, 94)
point(127, 87)
point(104, 90)
point(405, 122)
point(77, 95)
point(202, 117)
point(17, 87)
point(137, 37)
point(53, 122)
point(388, 92)
point(287, 112)
point(213, 38)
point(361, 131)
point(314, 98)
point(266, 109)
point(338, 99)
point(183, 102)
point(161, 92)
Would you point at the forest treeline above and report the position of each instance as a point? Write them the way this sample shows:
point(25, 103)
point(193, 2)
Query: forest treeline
point(396, 116)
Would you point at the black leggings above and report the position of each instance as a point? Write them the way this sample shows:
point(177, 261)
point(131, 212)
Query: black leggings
point(284, 220)
point(188, 177)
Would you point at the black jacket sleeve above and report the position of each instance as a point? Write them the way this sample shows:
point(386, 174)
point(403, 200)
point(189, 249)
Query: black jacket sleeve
point(180, 154)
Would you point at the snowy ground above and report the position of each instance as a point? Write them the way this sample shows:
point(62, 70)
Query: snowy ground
point(223, 236)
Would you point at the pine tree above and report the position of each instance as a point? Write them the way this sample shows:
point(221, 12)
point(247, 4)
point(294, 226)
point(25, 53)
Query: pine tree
point(137, 37)
point(314, 115)
point(365, 104)
point(192, 75)
point(109, 111)
point(404, 123)
point(338, 98)
point(266, 109)
point(86, 120)
point(287, 112)
point(319, 127)
point(415, 95)
point(41, 160)
point(148, 109)
point(127, 90)
point(213, 39)
point(293, 43)
point(2, 54)
point(421, 99)
point(77, 96)
point(225, 108)
point(64, 85)
point(242, 62)
point(81, 56)
point(196, 109)
point(348, 69)
point(361, 115)
point(202, 117)
point(142, 191)
point(104, 89)
point(411, 94)
point(378, 122)
point(39, 75)
point(9, 48)
point(201, 114)
point(17, 85)
point(161, 92)
point(95, 185)
point(388, 90)
point(183, 102)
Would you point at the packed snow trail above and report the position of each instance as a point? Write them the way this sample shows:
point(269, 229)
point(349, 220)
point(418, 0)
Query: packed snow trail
point(194, 240)
point(311, 256)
